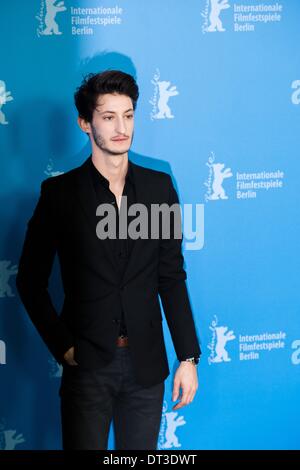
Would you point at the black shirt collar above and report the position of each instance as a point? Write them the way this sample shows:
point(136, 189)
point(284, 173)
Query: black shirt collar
point(98, 177)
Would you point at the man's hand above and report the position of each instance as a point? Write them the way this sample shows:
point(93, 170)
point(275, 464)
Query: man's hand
point(69, 357)
point(185, 378)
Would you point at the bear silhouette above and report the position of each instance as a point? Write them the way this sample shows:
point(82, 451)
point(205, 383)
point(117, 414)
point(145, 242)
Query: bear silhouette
point(219, 176)
point(6, 272)
point(222, 338)
point(216, 6)
point(5, 96)
point(51, 11)
point(12, 440)
point(164, 110)
point(172, 424)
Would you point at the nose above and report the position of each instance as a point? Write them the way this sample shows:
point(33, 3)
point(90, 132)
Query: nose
point(120, 126)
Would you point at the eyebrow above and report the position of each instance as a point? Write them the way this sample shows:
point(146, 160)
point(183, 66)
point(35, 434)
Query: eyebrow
point(113, 112)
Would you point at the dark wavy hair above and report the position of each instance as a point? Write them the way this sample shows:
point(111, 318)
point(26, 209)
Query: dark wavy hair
point(95, 84)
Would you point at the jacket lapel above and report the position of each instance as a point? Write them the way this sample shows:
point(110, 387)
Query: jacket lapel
point(88, 201)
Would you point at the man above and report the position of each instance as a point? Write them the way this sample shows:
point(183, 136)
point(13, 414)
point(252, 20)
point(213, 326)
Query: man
point(109, 335)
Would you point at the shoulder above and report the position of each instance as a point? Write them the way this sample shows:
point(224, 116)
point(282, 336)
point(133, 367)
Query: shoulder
point(150, 175)
point(53, 183)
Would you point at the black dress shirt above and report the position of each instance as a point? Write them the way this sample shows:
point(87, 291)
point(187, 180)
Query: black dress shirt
point(120, 247)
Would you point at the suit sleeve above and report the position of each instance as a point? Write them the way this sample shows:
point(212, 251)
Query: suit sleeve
point(173, 290)
point(34, 270)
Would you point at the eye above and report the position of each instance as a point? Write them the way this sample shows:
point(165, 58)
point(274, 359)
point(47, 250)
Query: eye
point(129, 116)
point(108, 118)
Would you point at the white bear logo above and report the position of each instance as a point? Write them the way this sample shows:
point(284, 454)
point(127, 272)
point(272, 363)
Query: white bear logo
point(296, 354)
point(51, 12)
point(162, 92)
point(296, 94)
point(8, 439)
point(11, 441)
point(172, 423)
point(55, 368)
point(223, 336)
point(219, 176)
point(165, 92)
point(216, 6)
point(6, 272)
point(49, 169)
point(5, 96)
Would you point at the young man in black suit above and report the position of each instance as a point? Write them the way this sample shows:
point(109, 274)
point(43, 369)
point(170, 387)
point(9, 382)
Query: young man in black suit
point(109, 335)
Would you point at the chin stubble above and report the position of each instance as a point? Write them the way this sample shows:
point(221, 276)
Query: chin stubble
point(101, 143)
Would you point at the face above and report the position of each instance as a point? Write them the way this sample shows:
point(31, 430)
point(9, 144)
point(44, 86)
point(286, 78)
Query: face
point(111, 129)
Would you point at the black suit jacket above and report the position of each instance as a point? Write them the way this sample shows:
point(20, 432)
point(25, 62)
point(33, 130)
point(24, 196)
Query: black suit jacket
point(64, 222)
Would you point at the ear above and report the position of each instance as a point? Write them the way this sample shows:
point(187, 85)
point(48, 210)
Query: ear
point(84, 125)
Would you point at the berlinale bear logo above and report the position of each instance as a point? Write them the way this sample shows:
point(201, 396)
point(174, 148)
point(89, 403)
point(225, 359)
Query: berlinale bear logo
point(47, 19)
point(216, 6)
point(5, 97)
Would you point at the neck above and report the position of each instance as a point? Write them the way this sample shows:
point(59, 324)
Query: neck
point(113, 167)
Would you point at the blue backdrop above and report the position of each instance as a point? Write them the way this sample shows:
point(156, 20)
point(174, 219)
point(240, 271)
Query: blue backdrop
point(219, 109)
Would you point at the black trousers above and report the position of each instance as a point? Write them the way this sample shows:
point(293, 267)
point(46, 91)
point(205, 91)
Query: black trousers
point(92, 400)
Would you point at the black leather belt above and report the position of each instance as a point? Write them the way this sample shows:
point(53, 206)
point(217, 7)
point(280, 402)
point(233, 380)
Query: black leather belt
point(122, 341)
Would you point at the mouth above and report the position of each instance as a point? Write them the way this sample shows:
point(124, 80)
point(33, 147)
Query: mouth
point(123, 139)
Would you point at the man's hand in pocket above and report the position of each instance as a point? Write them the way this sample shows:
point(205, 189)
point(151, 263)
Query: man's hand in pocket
point(69, 357)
